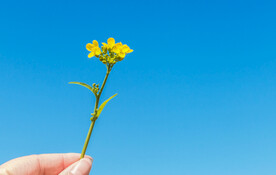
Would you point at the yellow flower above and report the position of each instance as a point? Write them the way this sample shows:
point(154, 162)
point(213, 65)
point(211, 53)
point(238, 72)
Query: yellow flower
point(93, 48)
point(121, 50)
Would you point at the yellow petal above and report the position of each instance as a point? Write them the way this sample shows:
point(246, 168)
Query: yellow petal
point(119, 44)
point(95, 43)
point(97, 51)
point(89, 46)
point(125, 48)
point(129, 51)
point(91, 55)
point(111, 42)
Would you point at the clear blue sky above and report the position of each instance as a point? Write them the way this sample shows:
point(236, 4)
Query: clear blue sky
point(197, 95)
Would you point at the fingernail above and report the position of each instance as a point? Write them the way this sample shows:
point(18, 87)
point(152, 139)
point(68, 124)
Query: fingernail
point(89, 157)
point(83, 167)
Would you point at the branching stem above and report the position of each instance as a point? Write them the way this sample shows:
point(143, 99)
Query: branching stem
point(109, 67)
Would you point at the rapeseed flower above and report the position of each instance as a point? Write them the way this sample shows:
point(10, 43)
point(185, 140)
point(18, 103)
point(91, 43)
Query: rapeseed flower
point(111, 52)
point(93, 48)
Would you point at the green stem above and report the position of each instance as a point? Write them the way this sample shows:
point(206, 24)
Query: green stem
point(109, 67)
point(101, 90)
point(87, 139)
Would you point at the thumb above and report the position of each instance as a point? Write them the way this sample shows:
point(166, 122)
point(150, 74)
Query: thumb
point(81, 167)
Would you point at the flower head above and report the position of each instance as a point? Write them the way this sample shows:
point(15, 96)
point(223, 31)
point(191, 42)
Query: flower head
point(111, 52)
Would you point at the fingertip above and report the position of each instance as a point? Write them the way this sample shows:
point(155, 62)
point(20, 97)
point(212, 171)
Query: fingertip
point(83, 167)
point(89, 157)
point(88, 161)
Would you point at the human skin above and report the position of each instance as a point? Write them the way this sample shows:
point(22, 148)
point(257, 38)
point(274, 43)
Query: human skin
point(48, 164)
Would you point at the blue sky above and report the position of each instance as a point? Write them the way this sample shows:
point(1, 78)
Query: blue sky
point(197, 95)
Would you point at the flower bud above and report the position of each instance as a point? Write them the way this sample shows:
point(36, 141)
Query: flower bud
point(104, 49)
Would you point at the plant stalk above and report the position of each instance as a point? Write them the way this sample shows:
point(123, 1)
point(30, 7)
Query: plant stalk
point(87, 139)
point(95, 111)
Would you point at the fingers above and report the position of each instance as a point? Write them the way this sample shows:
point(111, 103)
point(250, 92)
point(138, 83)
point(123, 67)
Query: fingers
point(39, 164)
point(81, 167)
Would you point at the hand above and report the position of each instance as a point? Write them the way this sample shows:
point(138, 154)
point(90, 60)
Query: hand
point(48, 164)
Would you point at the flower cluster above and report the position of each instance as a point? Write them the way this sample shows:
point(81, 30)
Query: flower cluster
point(110, 53)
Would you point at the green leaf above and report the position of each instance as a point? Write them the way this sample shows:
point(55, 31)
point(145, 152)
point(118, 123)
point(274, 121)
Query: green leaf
point(103, 105)
point(82, 84)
